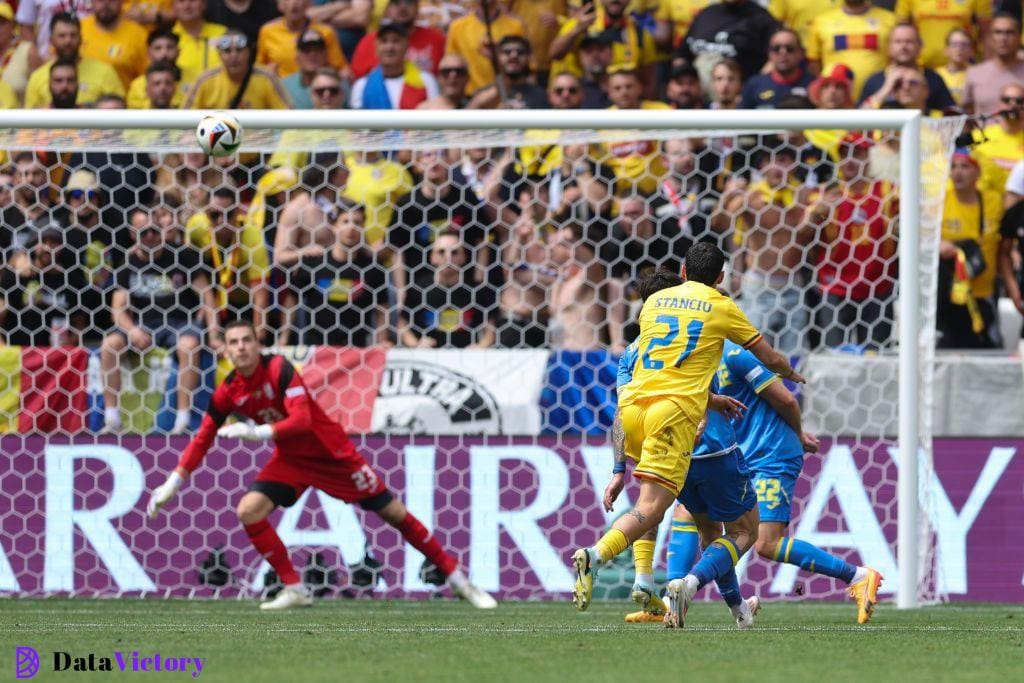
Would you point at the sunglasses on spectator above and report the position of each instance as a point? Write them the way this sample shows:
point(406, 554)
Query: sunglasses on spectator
point(784, 47)
point(568, 90)
point(79, 194)
point(327, 91)
point(453, 71)
point(232, 42)
point(1019, 101)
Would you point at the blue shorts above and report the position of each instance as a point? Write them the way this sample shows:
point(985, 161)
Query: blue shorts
point(719, 487)
point(775, 495)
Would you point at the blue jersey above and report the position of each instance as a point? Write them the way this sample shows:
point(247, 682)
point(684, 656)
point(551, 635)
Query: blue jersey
point(719, 435)
point(767, 441)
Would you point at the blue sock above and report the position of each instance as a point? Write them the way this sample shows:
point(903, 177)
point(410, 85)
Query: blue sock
point(682, 549)
point(719, 559)
point(729, 586)
point(813, 559)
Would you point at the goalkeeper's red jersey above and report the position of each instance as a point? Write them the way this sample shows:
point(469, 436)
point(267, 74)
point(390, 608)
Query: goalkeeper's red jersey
point(274, 394)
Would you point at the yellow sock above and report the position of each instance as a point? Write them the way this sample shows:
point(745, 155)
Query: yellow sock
point(643, 556)
point(611, 544)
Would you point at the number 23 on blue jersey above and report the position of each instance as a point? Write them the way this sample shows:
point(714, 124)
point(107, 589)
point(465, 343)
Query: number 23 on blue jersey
point(693, 330)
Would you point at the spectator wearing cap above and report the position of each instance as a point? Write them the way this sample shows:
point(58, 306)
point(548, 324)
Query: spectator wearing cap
point(278, 39)
point(311, 55)
point(904, 54)
point(733, 29)
point(937, 18)
point(452, 77)
point(673, 19)
point(395, 83)
point(219, 88)
point(109, 36)
point(632, 47)
point(14, 53)
point(565, 91)
point(161, 46)
point(595, 55)
point(516, 88)
point(855, 222)
point(468, 37)
point(35, 17)
point(426, 44)
point(95, 78)
point(830, 91)
point(968, 262)
point(959, 52)
point(63, 84)
point(984, 83)
point(197, 40)
point(786, 75)
point(854, 34)
point(683, 89)
point(247, 15)
point(1002, 143)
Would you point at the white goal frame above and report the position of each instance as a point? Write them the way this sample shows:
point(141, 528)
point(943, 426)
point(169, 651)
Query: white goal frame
point(906, 123)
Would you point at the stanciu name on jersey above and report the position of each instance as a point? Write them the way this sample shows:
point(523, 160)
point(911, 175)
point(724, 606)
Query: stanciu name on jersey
point(682, 302)
point(417, 397)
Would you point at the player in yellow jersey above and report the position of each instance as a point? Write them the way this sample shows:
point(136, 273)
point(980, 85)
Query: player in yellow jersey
point(682, 333)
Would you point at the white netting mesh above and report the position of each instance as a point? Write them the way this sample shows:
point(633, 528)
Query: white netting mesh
point(501, 260)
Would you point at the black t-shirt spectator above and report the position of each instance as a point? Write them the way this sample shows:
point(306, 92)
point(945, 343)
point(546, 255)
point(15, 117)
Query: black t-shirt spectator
point(939, 97)
point(39, 301)
point(739, 30)
point(451, 316)
point(161, 291)
point(527, 96)
point(764, 91)
point(249, 21)
point(419, 219)
point(341, 297)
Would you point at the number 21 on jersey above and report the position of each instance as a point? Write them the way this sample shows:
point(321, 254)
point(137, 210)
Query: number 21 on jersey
point(693, 330)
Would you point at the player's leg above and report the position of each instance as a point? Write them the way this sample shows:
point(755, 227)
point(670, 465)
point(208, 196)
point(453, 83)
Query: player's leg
point(188, 349)
point(684, 541)
point(111, 352)
point(645, 592)
point(774, 497)
point(252, 511)
point(394, 512)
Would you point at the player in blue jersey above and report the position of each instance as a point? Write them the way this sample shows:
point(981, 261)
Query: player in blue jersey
point(773, 441)
point(718, 491)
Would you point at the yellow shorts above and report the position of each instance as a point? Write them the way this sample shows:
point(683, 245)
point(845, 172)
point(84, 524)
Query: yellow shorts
point(660, 435)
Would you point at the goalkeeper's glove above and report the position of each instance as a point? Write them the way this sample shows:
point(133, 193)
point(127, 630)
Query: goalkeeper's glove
point(162, 494)
point(246, 430)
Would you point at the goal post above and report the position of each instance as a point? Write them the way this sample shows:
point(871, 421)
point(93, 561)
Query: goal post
point(914, 309)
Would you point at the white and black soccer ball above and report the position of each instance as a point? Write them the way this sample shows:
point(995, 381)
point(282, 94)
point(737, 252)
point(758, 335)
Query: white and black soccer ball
point(219, 134)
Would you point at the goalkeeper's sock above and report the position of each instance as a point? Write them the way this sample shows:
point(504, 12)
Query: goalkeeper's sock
point(729, 587)
point(610, 545)
point(265, 539)
point(813, 559)
point(717, 561)
point(416, 534)
point(682, 549)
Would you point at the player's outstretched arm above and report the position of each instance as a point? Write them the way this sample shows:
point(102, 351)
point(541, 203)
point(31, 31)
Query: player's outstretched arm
point(775, 361)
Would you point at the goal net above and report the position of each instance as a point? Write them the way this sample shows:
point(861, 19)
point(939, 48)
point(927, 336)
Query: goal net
point(457, 298)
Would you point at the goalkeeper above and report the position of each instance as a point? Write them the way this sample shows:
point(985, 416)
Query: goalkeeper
point(310, 449)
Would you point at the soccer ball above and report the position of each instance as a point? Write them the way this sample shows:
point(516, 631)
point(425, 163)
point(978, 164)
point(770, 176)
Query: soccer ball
point(219, 134)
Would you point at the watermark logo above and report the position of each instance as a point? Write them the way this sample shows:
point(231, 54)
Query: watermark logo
point(26, 662)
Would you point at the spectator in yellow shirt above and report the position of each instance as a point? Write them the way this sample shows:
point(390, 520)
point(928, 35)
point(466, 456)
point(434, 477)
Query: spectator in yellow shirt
point(63, 84)
point(161, 46)
point(936, 18)
point(855, 34)
point(1003, 144)
point(278, 39)
point(638, 165)
point(110, 37)
point(197, 51)
point(959, 50)
point(95, 78)
point(219, 88)
point(162, 81)
point(467, 37)
point(14, 54)
point(150, 13)
point(674, 18)
point(542, 23)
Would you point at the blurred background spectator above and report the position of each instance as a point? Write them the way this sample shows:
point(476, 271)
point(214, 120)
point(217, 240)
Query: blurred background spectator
point(985, 81)
point(396, 82)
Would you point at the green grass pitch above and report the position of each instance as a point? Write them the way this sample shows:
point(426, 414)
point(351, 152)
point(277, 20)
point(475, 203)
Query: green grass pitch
point(363, 640)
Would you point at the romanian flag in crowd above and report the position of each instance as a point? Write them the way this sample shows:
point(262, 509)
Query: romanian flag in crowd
point(855, 41)
point(43, 389)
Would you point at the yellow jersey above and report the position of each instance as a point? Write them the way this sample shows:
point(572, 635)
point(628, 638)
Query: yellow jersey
point(95, 78)
point(860, 41)
point(197, 54)
point(997, 156)
point(245, 263)
point(123, 48)
point(800, 14)
point(377, 185)
point(467, 36)
point(138, 99)
point(680, 14)
point(936, 18)
point(954, 82)
point(633, 50)
point(277, 47)
point(215, 90)
point(164, 7)
point(682, 333)
point(961, 222)
point(637, 164)
point(8, 98)
point(539, 34)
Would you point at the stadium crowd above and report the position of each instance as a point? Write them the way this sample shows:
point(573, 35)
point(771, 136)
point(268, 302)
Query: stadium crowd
point(530, 246)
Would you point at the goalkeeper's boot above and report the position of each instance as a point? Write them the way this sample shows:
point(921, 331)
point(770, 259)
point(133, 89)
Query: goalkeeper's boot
point(680, 595)
point(474, 595)
point(865, 592)
point(644, 617)
point(586, 571)
point(290, 596)
point(746, 612)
